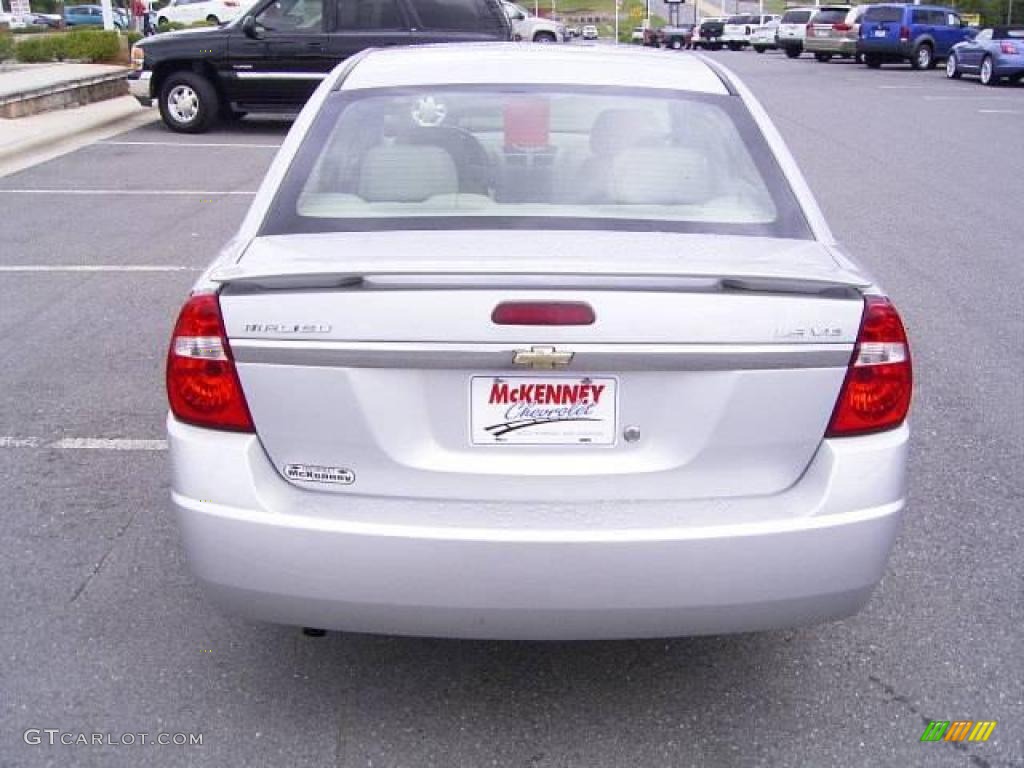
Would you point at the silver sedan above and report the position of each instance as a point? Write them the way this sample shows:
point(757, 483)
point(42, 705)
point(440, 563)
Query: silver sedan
point(537, 343)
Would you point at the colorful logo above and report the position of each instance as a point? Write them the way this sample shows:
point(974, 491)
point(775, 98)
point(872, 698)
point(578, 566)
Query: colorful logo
point(958, 730)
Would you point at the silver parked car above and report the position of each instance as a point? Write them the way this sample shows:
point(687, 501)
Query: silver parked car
point(502, 354)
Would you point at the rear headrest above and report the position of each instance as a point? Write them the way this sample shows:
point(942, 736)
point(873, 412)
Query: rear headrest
point(660, 176)
point(405, 173)
point(616, 129)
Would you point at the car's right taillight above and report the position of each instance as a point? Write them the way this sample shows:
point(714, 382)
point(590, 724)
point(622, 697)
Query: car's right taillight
point(879, 381)
point(202, 383)
point(1008, 48)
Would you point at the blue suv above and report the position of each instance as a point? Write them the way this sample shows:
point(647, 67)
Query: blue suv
point(920, 34)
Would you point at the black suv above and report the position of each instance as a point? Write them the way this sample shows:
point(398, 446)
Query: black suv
point(271, 58)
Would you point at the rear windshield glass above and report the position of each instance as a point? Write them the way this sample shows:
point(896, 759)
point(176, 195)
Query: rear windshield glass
point(796, 17)
point(1013, 33)
point(830, 17)
point(740, 19)
point(506, 157)
point(883, 14)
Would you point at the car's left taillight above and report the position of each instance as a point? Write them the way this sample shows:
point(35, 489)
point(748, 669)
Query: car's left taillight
point(1008, 48)
point(879, 380)
point(202, 383)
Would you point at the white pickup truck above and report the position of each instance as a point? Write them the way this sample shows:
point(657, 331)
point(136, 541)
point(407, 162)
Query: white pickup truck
point(534, 28)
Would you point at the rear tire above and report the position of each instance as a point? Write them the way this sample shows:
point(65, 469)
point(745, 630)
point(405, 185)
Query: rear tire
point(823, 57)
point(213, 20)
point(793, 53)
point(873, 61)
point(543, 37)
point(675, 45)
point(952, 69)
point(923, 57)
point(759, 48)
point(987, 73)
point(188, 102)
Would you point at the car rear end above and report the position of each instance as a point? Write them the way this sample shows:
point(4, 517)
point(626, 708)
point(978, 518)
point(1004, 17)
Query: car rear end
point(763, 38)
point(885, 33)
point(793, 29)
point(711, 33)
point(736, 30)
point(1008, 52)
point(833, 31)
point(388, 415)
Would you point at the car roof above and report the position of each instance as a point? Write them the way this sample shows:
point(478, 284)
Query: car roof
point(524, 64)
point(905, 5)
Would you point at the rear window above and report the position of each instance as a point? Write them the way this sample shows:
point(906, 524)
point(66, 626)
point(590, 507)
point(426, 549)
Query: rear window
point(1013, 33)
point(740, 19)
point(458, 15)
point(830, 16)
point(883, 14)
point(796, 17)
point(461, 157)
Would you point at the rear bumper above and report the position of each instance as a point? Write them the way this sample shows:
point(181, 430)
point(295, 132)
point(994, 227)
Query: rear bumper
point(886, 49)
point(837, 46)
point(1011, 68)
point(139, 87)
point(269, 551)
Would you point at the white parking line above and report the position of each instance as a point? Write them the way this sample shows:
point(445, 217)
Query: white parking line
point(183, 144)
point(84, 443)
point(95, 268)
point(104, 444)
point(1000, 112)
point(138, 192)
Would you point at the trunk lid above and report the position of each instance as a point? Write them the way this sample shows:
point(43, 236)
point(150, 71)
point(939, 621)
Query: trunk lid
point(371, 364)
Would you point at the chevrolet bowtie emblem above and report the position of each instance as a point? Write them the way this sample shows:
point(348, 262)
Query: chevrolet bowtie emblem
point(542, 357)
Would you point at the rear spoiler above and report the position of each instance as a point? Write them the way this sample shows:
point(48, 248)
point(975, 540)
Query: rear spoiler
point(340, 277)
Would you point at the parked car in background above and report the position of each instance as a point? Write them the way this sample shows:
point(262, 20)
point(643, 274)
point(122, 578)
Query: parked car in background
point(49, 20)
point(191, 11)
point(920, 34)
point(676, 37)
point(710, 36)
point(737, 30)
point(995, 54)
point(793, 30)
point(833, 32)
point(637, 35)
point(199, 76)
point(589, 32)
point(388, 415)
point(765, 37)
point(92, 16)
point(534, 29)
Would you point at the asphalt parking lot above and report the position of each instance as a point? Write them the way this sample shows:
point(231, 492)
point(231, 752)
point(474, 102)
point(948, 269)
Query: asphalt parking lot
point(103, 629)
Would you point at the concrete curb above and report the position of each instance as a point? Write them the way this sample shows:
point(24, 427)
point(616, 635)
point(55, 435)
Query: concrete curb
point(69, 93)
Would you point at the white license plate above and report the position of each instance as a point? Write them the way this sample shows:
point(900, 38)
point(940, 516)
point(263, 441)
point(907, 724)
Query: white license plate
point(880, 33)
point(821, 32)
point(543, 410)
